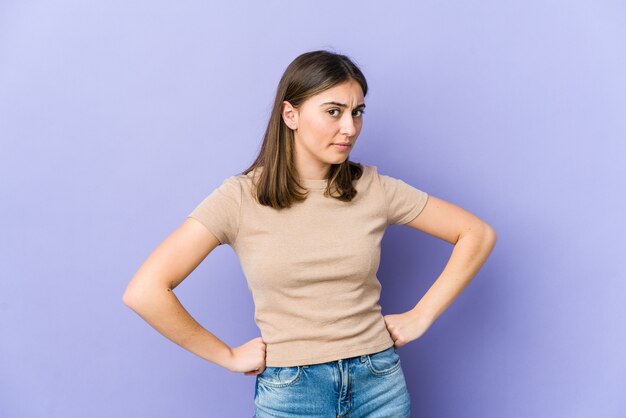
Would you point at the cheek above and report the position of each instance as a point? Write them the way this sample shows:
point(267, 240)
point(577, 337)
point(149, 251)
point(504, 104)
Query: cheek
point(358, 125)
point(319, 131)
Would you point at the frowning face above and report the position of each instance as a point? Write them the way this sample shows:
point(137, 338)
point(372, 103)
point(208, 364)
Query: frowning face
point(326, 127)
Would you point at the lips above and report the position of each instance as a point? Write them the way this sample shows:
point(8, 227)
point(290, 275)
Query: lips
point(342, 147)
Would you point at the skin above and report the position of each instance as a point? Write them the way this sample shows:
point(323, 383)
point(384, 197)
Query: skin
point(316, 127)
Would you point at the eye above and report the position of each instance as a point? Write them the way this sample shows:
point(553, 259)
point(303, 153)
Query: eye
point(358, 113)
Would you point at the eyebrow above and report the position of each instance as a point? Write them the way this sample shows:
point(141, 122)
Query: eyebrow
point(361, 106)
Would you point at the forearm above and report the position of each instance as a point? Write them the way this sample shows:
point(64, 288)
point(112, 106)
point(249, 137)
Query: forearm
point(469, 254)
point(163, 311)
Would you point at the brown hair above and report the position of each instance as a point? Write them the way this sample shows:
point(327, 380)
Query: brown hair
point(307, 75)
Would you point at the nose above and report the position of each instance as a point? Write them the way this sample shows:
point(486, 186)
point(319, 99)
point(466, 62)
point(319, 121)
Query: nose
point(347, 125)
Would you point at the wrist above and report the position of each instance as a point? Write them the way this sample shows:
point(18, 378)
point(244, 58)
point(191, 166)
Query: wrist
point(221, 354)
point(422, 317)
point(226, 358)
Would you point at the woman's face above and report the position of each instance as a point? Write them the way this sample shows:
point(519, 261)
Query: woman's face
point(326, 127)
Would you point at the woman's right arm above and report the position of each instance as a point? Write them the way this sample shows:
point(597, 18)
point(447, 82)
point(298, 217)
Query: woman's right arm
point(150, 294)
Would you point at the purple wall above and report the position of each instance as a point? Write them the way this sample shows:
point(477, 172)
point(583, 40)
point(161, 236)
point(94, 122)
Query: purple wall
point(117, 119)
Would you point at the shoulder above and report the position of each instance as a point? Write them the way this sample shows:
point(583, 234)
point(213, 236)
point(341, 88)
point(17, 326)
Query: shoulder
point(385, 180)
point(366, 179)
point(242, 180)
point(243, 184)
point(369, 169)
point(230, 189)
point(370, 173)
point(372, 176)
point(395, 187)
point(245, 181)
point(232, 182)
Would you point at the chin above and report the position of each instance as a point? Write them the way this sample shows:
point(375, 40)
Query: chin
point(339, 160)
point(340, 156)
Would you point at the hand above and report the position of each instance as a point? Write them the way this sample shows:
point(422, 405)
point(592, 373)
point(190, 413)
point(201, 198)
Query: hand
point(249, 357)
point(405, 327)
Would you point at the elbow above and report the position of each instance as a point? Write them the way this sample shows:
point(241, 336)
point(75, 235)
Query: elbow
point(490, 236)
point(481, 232)
point(134, 296)
point(141, 297)
point(128, 298)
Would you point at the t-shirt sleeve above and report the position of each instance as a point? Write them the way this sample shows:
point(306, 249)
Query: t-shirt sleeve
point(219, 212)
point(404, 201)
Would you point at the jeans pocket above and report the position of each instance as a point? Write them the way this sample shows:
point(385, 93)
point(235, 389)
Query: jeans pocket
point(384, 362)
point(280, 376)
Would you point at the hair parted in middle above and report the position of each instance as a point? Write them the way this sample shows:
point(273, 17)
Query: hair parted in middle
point(278, 183)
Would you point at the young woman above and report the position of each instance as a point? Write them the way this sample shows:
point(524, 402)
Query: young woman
point(306, 224)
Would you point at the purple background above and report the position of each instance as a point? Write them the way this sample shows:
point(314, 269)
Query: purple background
point(117, 118)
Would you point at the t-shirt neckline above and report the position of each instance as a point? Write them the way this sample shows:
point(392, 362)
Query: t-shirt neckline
point(316, 184)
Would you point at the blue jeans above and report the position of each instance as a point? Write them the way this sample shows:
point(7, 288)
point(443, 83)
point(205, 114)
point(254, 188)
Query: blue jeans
point(371, 385)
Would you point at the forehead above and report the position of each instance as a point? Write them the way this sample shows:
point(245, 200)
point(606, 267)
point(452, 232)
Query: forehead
point(346, 92)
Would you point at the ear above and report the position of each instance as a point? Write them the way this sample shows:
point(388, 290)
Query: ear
point(290, 115)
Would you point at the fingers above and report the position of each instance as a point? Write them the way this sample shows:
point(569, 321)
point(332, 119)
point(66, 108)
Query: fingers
point(254, 372)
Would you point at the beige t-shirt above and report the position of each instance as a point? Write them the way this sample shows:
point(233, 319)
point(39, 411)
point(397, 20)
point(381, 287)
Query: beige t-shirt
point(312, 268)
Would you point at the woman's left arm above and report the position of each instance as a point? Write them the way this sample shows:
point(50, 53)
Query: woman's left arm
point(473, 241)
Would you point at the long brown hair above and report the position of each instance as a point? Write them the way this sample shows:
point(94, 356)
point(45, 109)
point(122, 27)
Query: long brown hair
point(278, 182)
